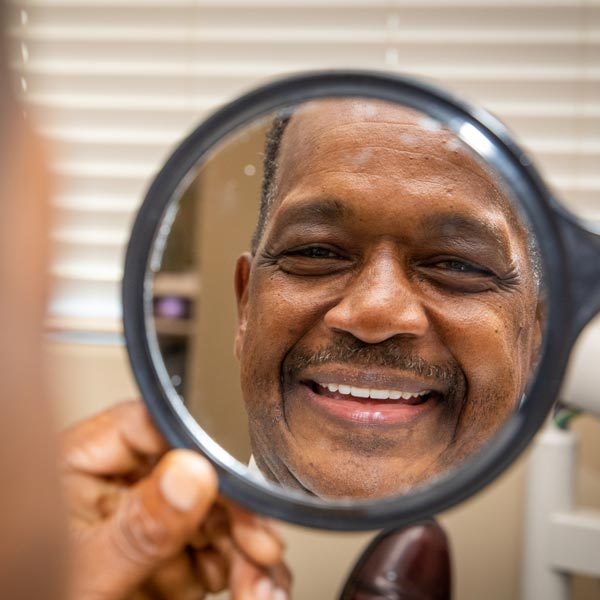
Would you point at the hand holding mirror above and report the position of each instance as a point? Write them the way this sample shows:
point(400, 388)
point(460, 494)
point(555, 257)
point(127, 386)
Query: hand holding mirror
point(405, 295)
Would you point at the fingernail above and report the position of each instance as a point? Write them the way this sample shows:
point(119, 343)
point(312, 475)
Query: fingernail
point(183, 481)
point(263, 589)
point(280, 594)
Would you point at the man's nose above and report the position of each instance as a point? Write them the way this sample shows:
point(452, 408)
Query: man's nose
point(380, 302)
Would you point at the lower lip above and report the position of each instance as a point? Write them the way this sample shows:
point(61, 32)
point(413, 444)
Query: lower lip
point(370, 412)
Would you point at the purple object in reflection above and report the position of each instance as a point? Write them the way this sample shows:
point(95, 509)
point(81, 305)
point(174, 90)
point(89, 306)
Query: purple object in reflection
point(171, 307)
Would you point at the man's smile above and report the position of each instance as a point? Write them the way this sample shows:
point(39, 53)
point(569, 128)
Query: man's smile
point(349, 385)
point(354, 408)
point(338, 391)
point(350, 394)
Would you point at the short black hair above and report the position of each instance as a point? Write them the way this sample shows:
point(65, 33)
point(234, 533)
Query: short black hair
point(270, 163)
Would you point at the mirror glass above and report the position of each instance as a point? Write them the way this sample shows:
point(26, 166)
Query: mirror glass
point(346, 298)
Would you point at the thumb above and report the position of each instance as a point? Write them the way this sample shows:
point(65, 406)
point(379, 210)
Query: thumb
point(155, 520)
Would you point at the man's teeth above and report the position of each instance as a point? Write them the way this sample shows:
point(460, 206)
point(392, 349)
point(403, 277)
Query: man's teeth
point(357, 392)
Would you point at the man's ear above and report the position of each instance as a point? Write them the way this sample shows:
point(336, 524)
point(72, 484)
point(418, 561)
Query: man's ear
point(241, 279)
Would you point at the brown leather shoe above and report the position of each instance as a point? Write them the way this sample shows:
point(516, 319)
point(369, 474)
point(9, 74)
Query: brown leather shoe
point(404, 564)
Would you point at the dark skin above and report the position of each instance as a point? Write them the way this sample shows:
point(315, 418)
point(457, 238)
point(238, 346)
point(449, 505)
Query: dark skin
point(390, 261)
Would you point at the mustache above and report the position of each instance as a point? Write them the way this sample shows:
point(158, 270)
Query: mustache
point(390, 353)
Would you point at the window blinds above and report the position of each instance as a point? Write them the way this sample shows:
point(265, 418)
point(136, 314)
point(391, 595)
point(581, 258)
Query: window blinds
point(113, 85)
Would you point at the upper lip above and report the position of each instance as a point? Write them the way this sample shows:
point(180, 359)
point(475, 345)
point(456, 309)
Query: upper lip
point(372, 377)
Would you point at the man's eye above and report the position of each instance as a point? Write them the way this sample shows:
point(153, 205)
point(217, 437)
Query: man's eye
point(312, 260)
point(459, 266)
point(314, 252)
point(460, 275)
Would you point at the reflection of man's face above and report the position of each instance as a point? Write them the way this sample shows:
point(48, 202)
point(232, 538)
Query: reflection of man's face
point(388, 317)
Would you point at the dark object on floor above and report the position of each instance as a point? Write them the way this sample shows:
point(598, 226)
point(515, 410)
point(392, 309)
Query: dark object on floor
point(404, 564)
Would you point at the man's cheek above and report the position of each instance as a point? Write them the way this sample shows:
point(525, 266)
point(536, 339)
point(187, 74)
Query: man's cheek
point(490, 360)
point(287, 315)
point(479, 332)
point(486, 346)
point(308, 294)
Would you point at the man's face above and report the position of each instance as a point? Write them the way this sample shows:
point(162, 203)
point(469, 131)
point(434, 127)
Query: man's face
point(388, 321)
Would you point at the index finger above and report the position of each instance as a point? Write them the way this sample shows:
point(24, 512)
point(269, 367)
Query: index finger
point(257, 537)
point(114, 442)
point(231, 529)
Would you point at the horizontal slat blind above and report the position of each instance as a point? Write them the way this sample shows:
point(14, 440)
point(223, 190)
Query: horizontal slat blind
point(114, 85)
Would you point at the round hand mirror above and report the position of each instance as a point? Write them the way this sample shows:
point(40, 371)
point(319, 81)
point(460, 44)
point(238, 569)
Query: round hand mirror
point(356, 296)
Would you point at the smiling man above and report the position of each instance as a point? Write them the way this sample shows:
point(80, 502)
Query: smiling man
point(389, 314)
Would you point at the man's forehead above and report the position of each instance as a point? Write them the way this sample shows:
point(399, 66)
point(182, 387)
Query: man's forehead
point(323, 119)
point(348, 134)
point(328, 139)
point(337, 111)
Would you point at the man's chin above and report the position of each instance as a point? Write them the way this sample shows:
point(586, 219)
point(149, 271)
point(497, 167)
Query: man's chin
point(352, 480)
point(364, 488)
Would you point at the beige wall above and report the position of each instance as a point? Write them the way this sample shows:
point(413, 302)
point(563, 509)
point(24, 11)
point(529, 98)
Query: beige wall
point(485, 532)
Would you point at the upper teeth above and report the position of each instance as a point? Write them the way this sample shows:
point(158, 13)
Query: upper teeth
point(372, 393)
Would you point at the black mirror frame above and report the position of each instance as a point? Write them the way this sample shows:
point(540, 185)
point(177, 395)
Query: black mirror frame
point(570, 252)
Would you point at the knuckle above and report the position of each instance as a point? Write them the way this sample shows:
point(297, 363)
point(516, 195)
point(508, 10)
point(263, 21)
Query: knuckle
point(140, 537)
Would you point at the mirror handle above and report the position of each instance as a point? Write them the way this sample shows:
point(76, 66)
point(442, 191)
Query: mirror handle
point(581, 242)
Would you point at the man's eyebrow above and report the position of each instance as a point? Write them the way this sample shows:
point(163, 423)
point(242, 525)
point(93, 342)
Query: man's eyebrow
point(452, 225)
point(319, 210)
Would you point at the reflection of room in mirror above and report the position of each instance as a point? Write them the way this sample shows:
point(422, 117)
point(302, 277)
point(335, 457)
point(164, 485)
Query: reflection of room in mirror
point(194, 302)
point(391, 310)
point(176, 292)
